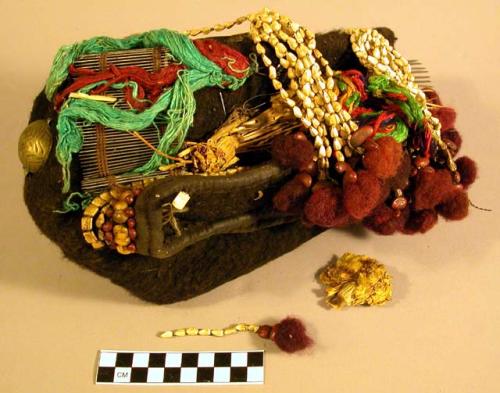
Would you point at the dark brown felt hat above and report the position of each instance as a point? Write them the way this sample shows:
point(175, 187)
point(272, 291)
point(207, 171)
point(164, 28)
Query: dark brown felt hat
point(203, 261)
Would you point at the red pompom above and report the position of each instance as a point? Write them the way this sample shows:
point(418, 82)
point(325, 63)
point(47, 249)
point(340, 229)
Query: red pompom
point(293, 151)
point(432, 188)
point(290, 335)
point(385, 220)
point(455, 208)
point(292, 195)
point(420, 221)
point(363, 195)
point(383, 157)
point(324, 207)
point(453, 140)
point(446, 116)
point(467, 169)
point(401, 179)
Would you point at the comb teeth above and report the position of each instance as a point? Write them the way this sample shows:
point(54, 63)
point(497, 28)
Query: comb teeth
point(420, 73)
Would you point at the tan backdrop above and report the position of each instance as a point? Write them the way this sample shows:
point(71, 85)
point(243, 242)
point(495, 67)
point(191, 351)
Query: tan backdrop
point(439, 334)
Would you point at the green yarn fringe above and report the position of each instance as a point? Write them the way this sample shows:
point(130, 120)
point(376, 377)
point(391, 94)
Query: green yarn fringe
point(69, 205)
point(378, 85)
point(177, 103)
point(400, 132)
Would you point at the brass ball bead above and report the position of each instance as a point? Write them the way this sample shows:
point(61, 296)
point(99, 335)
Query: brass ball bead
point(34, 145)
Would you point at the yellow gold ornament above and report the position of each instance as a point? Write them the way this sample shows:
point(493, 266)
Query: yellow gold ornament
point(34, 145)
point(356, 280)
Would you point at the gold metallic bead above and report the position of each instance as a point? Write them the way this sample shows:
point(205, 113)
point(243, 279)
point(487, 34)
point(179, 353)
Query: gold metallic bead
point(90, 237)
point(91, 210)
point(98, 245)
point(86, 223)
point(34, 146)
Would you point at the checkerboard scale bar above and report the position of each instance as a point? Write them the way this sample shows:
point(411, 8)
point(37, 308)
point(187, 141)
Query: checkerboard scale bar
point(180, 368)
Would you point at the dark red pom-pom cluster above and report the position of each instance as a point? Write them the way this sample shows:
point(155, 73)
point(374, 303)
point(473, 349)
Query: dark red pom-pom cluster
point(289, 335)
point(388, 188)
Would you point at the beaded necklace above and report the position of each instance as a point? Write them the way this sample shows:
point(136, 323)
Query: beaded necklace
point(311, 94)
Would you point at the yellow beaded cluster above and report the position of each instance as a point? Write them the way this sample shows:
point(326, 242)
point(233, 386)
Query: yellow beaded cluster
point(192, 331)
point(94, 217)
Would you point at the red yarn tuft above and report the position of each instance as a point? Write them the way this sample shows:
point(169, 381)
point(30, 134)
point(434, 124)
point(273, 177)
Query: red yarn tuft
point(455, 208)
point(432, 188)
point(467, 169)
point(385, 220)
point(446, 116)
point(324, 207)
point(420, 221)
point(290, 335)
point(292, 151)
point(230, 60)
point(383, 157)
point(362, 196)
point(291, 196)
point(453, 139)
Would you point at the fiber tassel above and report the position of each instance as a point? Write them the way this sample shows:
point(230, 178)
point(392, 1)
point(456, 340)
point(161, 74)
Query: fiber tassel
point(356, 280)
point(289, 335)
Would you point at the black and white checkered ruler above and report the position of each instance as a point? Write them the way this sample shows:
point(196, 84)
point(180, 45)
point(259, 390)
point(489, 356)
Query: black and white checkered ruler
point(180, 368)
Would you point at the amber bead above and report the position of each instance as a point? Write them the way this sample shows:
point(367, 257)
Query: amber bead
point(129, 199)
point(399, 203)
point(120, 205)
point(361, 135)
point(305, 179)
point(264, 331)
point(350, 176)
point(341, 167)
point(119, 216)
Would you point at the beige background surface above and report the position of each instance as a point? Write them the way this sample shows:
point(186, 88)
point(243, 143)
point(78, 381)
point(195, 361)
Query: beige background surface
point(441, 333)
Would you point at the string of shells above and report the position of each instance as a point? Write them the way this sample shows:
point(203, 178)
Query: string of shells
point(311, 93)
point(192, 331)
point(378, 56)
